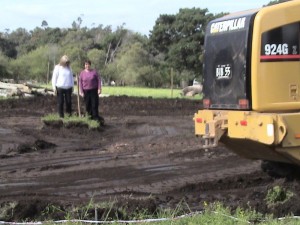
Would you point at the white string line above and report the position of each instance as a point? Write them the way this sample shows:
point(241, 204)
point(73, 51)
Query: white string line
point(102, 222)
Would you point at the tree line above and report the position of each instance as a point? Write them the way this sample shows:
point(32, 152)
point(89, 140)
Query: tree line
point(129, 58)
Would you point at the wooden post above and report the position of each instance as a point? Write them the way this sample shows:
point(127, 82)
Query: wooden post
point(78, 96)
point(48, 72)
point(172, 80)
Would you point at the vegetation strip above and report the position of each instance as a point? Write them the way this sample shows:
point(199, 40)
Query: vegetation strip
point(103, 222)
point(141, 221)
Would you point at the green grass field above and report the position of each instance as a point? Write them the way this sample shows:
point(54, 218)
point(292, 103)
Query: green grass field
point(142, 92)
point(139, 92)
point(145, 92)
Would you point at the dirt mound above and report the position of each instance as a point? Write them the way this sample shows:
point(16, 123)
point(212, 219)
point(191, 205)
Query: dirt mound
point(146, 158)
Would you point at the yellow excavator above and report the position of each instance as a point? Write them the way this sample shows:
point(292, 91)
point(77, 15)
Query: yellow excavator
point(251, 84)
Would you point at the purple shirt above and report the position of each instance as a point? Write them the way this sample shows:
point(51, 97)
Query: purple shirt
point(89, 80)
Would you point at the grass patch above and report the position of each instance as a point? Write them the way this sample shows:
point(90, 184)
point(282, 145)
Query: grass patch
point(213, 214)
point(278, 195)
point(69, 121)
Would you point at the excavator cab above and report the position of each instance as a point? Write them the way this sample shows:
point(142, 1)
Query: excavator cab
point(251, 82)
point(226, 62)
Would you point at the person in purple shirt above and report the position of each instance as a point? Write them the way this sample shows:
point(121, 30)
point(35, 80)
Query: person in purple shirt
point(90, 88)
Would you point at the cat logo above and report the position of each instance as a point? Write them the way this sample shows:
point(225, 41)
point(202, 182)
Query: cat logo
point(228, 25)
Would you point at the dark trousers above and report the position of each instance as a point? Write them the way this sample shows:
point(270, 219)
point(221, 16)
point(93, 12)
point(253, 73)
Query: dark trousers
point(91, 100)
point(64, 95)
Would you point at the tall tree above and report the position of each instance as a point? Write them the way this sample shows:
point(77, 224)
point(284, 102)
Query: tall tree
point(3, 66)
point(180, 38)
point(21, 38)
point(8, 48)
point(44, 24)
point(97, 58)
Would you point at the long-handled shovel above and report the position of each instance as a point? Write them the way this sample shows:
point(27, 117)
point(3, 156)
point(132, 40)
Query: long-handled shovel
point(78, 97)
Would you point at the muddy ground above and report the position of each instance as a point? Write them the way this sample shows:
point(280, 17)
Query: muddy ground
point(146, 158)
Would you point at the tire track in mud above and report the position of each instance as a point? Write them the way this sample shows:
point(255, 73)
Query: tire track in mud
point(98, 176)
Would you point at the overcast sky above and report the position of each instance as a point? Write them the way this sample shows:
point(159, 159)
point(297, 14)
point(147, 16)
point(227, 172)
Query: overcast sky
point(136, 15)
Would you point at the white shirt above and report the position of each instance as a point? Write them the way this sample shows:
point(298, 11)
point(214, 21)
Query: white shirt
point(62, 77)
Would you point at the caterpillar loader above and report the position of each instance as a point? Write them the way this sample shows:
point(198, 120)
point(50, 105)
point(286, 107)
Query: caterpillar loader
point(251, 84)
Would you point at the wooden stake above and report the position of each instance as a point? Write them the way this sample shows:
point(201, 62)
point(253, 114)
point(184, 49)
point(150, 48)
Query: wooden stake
point(172, 80)
point(78, 97)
